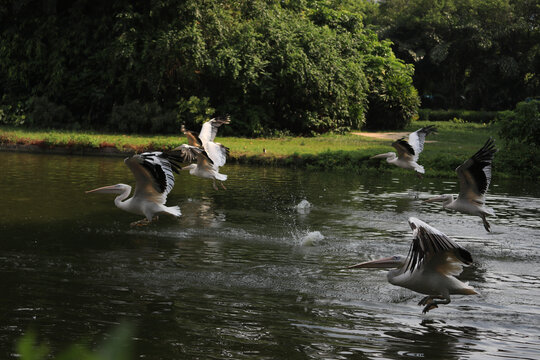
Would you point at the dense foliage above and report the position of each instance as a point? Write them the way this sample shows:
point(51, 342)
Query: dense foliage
point(481, 117)
point(520, 130)
point(467, 54)
point(274, 66)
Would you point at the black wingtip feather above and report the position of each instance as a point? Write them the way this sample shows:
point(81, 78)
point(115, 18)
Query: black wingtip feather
point(486, 152)
point(428, 129)
point(464, 256)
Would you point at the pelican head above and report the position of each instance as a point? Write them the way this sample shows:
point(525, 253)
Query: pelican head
point(395, 261)
point(112, 189)
point(388, 155)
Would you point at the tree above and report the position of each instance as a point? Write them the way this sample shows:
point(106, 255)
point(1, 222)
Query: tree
point(467, 53)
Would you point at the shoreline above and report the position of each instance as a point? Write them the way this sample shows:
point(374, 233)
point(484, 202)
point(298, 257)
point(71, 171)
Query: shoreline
point(316, 162)
point(332, 152)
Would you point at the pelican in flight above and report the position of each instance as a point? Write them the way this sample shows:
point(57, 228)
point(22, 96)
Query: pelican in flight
point(154, 178)
point(430, 267)
point(408, 151)
point(474, 177)
point(192, 137)
point(204, 167)
point(210, 155)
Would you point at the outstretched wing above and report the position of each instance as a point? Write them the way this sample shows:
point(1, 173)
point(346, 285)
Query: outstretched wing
point(475, 173)
point(153, 173)
point(434, 250)
point(404, 149)
point(217, 152)
point(192, 137)
point(190, 153)
point(210, 128)
point(417, 139)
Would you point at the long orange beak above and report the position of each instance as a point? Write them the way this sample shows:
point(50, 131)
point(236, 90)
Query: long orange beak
point(389, 262)
point(112, 189)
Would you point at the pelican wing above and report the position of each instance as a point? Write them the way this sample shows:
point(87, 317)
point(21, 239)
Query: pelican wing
point(210, 128)
point(417, 139)
point(434, 250)
point(404, 149)
point(193, 139)
point(217, 152)
point(191, 153)
point(153, 173)
point(204, 162)
point(475, 173)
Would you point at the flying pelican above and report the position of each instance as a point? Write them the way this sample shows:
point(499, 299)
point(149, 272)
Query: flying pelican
point(214, 155)
point(474, 178)
point(192, 137)
point(154, 178)
point(430, 267)
point(204, 167)
point(408, 152)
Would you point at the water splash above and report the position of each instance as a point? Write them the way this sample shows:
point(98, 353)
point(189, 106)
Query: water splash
point(309, 238)
point(303, 207)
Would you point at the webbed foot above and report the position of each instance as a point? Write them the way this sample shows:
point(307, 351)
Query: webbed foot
point(142, 222)
point(429, 307)
point(426, 300)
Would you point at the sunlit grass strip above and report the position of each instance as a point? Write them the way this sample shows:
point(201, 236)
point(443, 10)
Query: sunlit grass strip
point(445, 150)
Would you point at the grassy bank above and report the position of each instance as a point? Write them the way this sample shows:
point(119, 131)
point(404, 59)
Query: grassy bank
point(442, 154)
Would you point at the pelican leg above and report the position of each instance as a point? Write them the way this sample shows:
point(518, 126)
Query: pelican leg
point(433, 303)
point(486, 224)
point(214, 184)
point(426, 300)
point(420, 176)
point(142, 222)
point(223, 186)
point(429, 299)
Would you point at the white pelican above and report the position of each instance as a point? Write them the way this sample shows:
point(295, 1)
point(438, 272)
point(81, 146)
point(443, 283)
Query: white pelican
point(429, 268)
point(154, 178)
point(474, 178)
point(408, 152)
point(205, 167)
point(214, 155)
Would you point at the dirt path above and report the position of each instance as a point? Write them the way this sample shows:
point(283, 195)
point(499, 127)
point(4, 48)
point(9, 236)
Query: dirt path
point(386, 135)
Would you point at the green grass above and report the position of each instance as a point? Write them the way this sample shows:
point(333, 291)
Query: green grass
point(445, 150)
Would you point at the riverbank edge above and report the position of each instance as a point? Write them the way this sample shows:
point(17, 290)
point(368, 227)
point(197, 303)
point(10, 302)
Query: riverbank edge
point(340, 160)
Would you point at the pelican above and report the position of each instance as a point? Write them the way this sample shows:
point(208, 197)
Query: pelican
point(204, 167)
point(408, 152)
point(430, 267)
point(192, 137)
point(154, 178)
point(214, 155)
point(474, 177)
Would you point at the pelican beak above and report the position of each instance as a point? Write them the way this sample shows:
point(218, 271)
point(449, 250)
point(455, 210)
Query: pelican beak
point(436, 198)
point(383, 156)
point(389, 262)
point(113, 189)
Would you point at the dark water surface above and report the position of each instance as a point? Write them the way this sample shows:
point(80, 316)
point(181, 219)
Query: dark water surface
point(246, 274)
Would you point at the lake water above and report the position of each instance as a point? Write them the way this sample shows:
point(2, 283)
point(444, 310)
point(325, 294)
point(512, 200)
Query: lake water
point(247, 273)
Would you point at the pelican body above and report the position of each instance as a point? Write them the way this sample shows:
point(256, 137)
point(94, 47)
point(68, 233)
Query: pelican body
point(204, 167)
point(154, 177)
point(210, 155)
point(474, 178)
point(408, 151)
point(430, 267)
